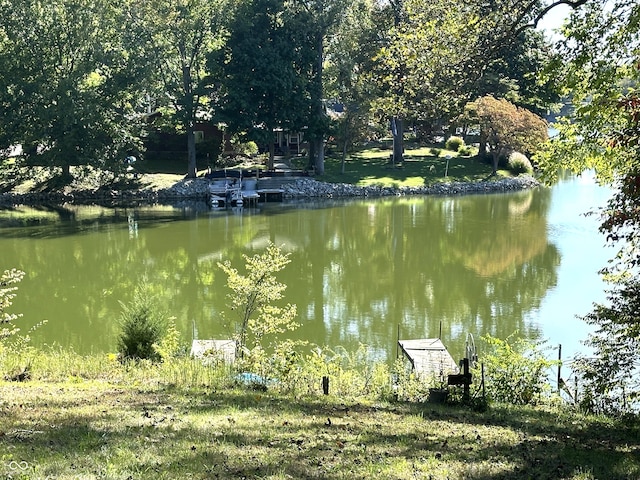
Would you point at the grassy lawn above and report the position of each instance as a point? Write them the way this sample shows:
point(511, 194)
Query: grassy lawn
point(421, 166)
point(93, 418)
point(92, 429)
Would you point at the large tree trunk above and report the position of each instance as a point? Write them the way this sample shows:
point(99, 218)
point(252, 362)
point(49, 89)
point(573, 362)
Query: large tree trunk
point(397, 130)
point(482, 147)
point(316, 143)
point(495, 156)
point(319, 152)
point(272, 155)
point(189, 116)
point(192, 170)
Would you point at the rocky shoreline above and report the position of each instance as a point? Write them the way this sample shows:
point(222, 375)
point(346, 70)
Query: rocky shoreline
point(309, 188)
point(198, 189)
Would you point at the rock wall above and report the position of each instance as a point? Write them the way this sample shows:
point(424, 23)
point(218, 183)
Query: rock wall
point(301, 188)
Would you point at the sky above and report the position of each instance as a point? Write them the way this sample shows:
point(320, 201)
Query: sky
point(554, 19)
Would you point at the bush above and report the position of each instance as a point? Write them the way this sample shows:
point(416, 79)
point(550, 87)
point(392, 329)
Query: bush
point(435, 152)
point(454, 143)
point(141, 327)
point(7, 294)
point(515, 372)
point(519, 163)
point(244, 148)
point(465, 150)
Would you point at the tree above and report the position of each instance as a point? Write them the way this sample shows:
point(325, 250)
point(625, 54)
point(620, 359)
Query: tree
point(317, 19)
point(264, 72)
point(7, 294)
point(522, 72)
point(601, 76)
point(254, 295)
point(178, 35)
point(602, 134)
point(67, 87)
point(611, 376)
point(348, 58)
point(505, 127)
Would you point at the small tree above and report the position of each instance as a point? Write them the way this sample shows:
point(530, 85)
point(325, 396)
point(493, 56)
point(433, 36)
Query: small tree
point(505, 127)
point(141, 327)
point(516, 371)
point(7, 294)
point(253, 297)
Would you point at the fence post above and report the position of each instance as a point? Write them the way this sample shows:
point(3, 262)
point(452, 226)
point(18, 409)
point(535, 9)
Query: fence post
point(325, 385)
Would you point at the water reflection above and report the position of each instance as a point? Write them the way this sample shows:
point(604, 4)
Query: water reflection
point(359, 269)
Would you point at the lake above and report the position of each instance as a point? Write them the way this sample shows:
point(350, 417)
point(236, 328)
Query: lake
point(361, 270)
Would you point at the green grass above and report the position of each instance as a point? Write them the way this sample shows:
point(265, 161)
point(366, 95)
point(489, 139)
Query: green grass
point(91, 417)
point(371, 166)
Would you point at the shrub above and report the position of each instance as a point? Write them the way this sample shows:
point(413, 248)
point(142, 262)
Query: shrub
point(7, 294)
point(141, 326)
point(515, 372)
point(241, 147)
point(519, 163)
point(465, 150)
point(454, 143)
point(169, 346)
point(435, 152)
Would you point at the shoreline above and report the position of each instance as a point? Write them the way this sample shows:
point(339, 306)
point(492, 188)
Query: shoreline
point(301, 188)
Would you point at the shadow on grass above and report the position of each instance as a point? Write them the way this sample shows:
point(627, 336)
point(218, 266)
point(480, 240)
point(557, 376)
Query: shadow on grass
point(240, 434)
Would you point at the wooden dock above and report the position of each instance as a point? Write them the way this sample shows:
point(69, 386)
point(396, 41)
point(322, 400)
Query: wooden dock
point(222, 349)
point(429, 357)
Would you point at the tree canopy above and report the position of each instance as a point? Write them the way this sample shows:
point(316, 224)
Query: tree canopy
point(602, 134)
point(505, 127)
point(67, 87)
point(78, 76)
point(263, 72)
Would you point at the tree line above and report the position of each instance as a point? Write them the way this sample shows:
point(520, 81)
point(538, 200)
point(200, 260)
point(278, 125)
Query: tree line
point(80, 79)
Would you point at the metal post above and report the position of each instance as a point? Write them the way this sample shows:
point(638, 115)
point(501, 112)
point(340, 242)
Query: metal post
point(559, 367)
point(465, 372)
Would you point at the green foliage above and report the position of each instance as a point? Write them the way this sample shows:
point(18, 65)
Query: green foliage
point(600, 129)
point(519, 163)
point(454, 143)
point(247, 148)
point(465, 150)
point(67, 85)
point(516, 370)
point(16, 353)
point(169, 346)
point(7, 294)
point(407, 385)
point(611, 375)
point(505, 127)
point(172, 39)
point(263, 71)
point(351, 374)
point(254, 298)
point(141, 327)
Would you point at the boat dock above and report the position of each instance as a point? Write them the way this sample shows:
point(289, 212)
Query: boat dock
point(207, 349)
point(429, 357)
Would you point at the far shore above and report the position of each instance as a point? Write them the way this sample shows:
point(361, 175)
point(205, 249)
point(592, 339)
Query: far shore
point(166, 189)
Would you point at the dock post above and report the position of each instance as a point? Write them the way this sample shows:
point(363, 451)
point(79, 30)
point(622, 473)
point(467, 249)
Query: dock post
point(325, 385)
point(465, 372)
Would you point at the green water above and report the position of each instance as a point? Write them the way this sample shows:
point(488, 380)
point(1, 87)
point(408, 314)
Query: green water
point(360, 270)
